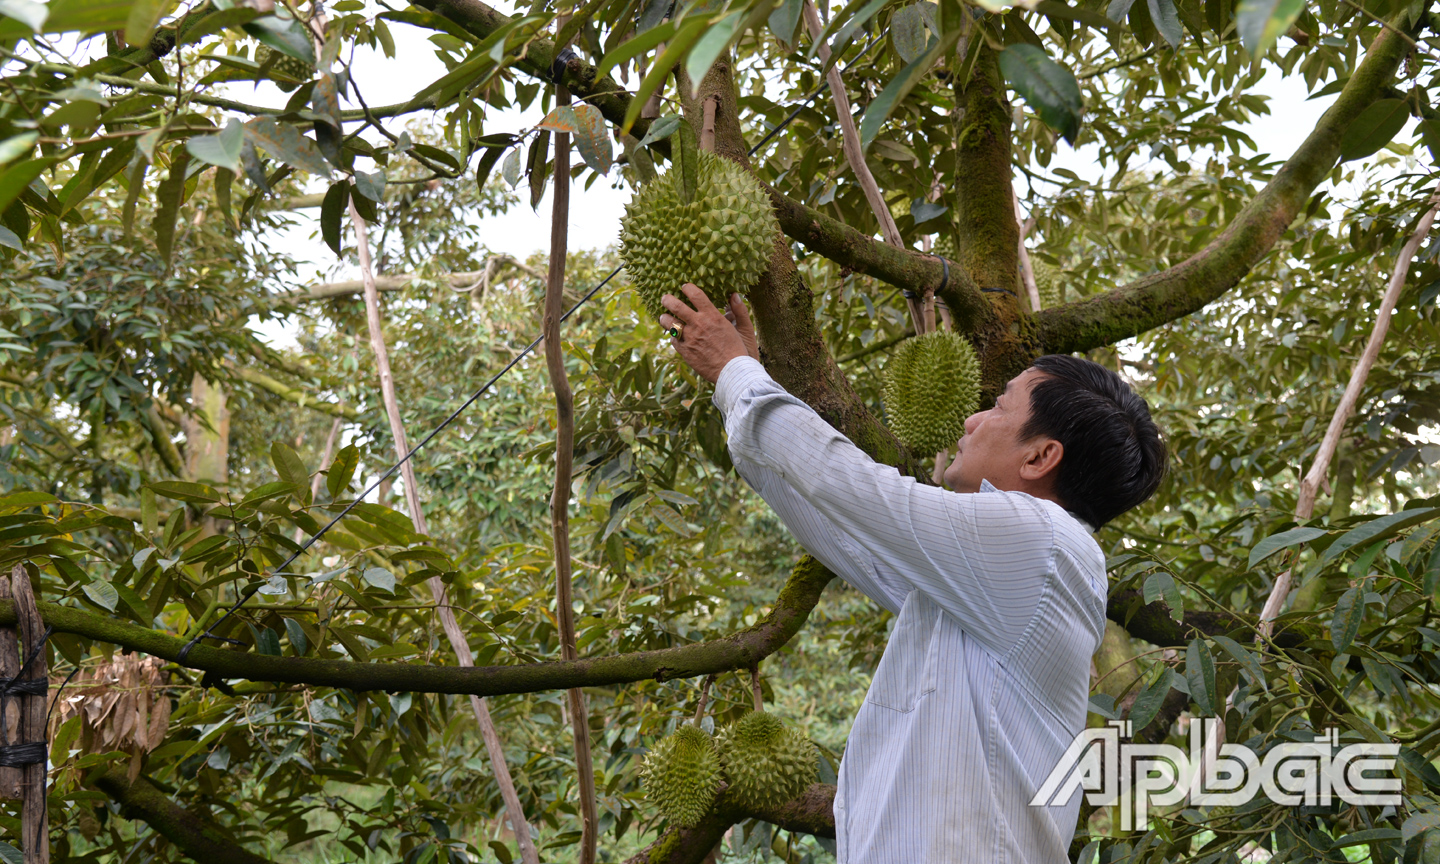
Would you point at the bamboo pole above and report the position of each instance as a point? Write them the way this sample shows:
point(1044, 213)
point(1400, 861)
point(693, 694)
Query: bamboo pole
point(34, 835)
point(453, 633)
point(564, 465)
point(11, 779)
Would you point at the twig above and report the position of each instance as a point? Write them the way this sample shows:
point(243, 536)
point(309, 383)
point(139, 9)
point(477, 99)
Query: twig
point(704, 697)
point(1027, 270)
point(855, 155)
point(755, 686)
point(1305, 506)
point(564, 464)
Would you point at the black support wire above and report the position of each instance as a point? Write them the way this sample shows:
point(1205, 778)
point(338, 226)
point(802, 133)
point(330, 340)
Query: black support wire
point(209, 631)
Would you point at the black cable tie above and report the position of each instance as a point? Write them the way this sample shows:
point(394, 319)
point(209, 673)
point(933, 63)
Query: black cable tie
point(945, 280)
point(909, 294)
point(557, 68)
point(20, 755)
point(999, 291)
point(31, 687)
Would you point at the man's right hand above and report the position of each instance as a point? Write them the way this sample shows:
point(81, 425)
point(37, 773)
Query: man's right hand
point(738, 315)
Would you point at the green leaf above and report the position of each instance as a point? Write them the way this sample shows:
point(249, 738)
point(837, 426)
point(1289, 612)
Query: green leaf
point(222, 150)
point(371, 184)
point(17, 177)
point(1057, 9)
point(899, 87)
point(65, 739)
point(30, 14)
point(1162, 585)
point(486, 165)
point(381, 578)
point(268, 642)
point(285, 143)
point(560, 119)
point(180, 490)
point(1376, 126)
point(11, 240)
point(86, 16)
point(1200, 675)
point(102, 593)
point(1284, 540)
point(1368, 835)
point(140, 24)
point(1349, 611)
point(660, 129)
point(592, 138)
point(297, 636)
point(784, 21)
point(16, 146)
point(1243, 656)
point(634, 48)
point(168, 196)
point(1167, 20)
point(332, 214)
point(510, 171)
point(1049, 88)
point(1261, 22)
point(710, 46)
point(288, 465)
point(342, 471)
point(285, 35)
point(1378, 529)
point(907, 31)
point(679, 46)
point(1147, 705)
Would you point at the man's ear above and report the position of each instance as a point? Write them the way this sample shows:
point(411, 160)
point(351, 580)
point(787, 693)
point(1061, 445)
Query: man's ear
point(1042, 461)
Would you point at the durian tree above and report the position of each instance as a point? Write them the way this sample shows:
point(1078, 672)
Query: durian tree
point(137, 191)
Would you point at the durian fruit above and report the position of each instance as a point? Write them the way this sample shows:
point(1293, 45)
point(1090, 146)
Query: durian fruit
point(681, 775)
point(931, 384)
point(286, 67)
point(766, 762)
point(944, 245)
point(1047, 281)
point(721, 240)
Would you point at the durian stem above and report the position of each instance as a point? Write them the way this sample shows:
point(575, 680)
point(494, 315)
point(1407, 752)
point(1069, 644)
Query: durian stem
point(755, 686)
point(707, 127)
point(560, 499)
point(704, 697)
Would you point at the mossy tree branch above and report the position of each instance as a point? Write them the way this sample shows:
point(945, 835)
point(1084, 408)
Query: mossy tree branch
point(293, 394)
point(811, 813)
point(737, 651)
point(197, 837)
point(1190, 285)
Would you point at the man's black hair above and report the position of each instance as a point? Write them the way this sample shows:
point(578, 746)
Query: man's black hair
point(1114, 458)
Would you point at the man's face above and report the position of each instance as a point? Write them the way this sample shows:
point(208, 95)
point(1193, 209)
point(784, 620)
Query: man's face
point(992, 449)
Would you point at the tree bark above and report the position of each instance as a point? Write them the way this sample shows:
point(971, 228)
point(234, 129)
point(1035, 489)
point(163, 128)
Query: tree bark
point(736, 651)
point(35, 834)
point(194, 835)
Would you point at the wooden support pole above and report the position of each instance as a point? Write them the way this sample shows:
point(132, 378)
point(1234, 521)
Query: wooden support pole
point(35, 836)
point(564, 469)
point(10, 778)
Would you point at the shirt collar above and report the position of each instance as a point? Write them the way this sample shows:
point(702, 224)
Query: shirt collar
point(987, 486)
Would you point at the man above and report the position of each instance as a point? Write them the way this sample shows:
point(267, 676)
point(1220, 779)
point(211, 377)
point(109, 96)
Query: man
point(999, 592)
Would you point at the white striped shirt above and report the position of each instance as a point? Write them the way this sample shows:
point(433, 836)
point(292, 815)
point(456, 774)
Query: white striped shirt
point(985, 679)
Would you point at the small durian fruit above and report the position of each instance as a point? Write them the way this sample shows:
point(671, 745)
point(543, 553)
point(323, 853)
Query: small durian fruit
point(944, 245)
point(931, 384)
point(1047, 282)
point(721, 240)
point(766, 762)
point(681, 775)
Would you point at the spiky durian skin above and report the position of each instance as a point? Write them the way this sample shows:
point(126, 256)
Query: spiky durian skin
point(931, 384)
point(721, 240)
point(766, 762)
point(681, 775)
point(1047, 282)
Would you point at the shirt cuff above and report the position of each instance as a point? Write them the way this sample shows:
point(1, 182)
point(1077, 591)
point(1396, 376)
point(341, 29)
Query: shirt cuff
point(738, 376)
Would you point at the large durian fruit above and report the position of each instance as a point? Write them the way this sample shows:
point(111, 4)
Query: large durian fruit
point(681, 775)
point(766, 762)
point(721, 239)
point(1048, 283)
point(931, 384)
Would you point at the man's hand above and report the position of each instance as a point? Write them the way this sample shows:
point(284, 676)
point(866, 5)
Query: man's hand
point(708, 340)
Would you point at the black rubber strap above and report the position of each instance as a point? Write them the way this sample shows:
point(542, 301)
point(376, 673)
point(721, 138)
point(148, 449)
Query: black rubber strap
point(20, 755)
point(998, 291)
point(557, 68)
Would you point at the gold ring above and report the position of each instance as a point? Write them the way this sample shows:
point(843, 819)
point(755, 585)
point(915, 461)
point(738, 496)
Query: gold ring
point(677, 331)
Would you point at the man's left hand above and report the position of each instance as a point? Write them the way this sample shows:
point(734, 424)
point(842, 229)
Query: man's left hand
point(707, 340)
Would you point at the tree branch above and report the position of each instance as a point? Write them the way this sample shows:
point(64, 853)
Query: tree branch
point(356, 287)
point(1187, 287)
point(197, 837)
point(811, 813)
point(1152, 622)
point(736, 651)
point(293, 394)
